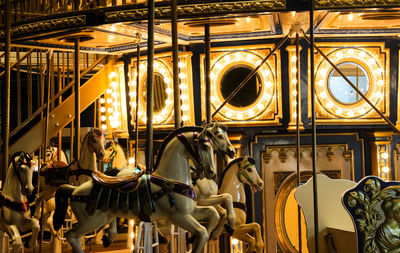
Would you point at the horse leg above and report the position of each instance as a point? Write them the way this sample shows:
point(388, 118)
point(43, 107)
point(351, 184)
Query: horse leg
point(222, 221)
point(31, 224)
point(49, 222)
point(187, 222)
point(224, 198)
point(242, 233)
point(209, 212)
point(86, 223)
point(258, 236)
point(13, 232)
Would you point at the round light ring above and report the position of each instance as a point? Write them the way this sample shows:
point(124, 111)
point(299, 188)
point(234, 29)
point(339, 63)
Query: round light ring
point(163, 101)
point(371, 70)
point(243, 61)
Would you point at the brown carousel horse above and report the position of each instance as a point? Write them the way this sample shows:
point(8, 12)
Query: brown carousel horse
point(14, 207)
point(164, 194)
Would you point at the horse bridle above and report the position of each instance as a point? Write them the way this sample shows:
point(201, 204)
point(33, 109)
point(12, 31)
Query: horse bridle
point(216, 141)
point(94, 135)
point(17, 165)
point(195, 151)
point(243, 172)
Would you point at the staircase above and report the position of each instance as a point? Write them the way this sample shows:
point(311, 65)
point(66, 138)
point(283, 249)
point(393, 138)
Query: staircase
point(28, 135)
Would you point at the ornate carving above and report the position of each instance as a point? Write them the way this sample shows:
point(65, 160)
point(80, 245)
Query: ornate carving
point(334, 174)
point(267, 157)
point(282, 155)
point(279, 177)
point(324, 4)
point(48, 25)
point(197, 9)
point(347, 155)
point(330, 154)
point(368, 203)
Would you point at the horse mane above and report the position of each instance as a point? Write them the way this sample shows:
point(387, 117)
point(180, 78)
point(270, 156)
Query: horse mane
point(234, 161)
point(171, 135)
point(222, 126)
point(92, 131)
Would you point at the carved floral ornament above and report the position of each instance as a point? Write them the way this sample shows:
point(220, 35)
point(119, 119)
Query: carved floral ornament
point(329, 4)
point(374, 206)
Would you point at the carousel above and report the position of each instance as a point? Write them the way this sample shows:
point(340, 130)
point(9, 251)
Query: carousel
point(200, 126)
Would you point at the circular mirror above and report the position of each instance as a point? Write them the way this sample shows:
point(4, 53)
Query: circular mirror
point(160, 93)
point(340, 90)
point(232, 78)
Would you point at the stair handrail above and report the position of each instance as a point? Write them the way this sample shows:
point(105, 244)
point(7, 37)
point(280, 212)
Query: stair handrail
point(17, 62)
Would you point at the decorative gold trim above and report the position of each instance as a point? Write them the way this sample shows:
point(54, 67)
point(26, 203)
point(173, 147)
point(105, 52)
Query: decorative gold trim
point(338, 4)
point(374, 58)
point(292, 90)
point(165, 119)
point(198, 9)
point(47, 25)
point(267, 109)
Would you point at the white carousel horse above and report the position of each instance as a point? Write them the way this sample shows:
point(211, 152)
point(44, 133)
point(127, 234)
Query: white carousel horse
point(238, 172)
point(170, 191)
point(15, 213)
point(55, 174)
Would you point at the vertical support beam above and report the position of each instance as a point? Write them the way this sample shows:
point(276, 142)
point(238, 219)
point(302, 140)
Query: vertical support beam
point(175, 61)
point(77, 120)
point(137, 101)
point(207, 66)
point(314, 128)
point(5, 133)
point(150, 87)
point(380, 154)
point(298, 141)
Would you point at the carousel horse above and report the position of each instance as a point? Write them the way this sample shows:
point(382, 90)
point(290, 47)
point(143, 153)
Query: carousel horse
point(164, 194)
point(52, 153)
point(14, 207)
point(238, 172)
point(57, 173)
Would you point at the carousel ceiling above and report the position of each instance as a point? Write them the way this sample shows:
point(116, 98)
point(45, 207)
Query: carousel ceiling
point(120, 38)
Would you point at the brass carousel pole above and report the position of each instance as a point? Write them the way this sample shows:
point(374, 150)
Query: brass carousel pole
point(243, 83)
point(298, 141)
point(5, 124)
point(150, 87)
point(207, 66)
point(137, 101)
point(175, 60)
point(314, 129)
point(77, 100)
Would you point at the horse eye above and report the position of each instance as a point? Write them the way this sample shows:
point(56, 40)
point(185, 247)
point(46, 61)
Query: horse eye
point(249, 170)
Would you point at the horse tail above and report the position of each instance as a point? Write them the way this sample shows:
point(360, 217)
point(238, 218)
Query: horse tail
point(63, 194)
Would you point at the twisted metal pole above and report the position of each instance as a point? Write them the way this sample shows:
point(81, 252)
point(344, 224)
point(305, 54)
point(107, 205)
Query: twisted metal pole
point(207, 70)
point(175, 61)
point(137, 101)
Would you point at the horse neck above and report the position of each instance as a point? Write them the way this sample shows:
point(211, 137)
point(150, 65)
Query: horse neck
point(12, 186)
point(119, 160)
point(174, 162)
point(232, 185)
point(87, 158)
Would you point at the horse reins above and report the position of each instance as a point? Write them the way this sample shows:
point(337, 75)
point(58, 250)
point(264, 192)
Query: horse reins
point(242, 172)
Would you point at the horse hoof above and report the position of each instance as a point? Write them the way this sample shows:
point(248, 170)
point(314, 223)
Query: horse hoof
point(106, 241)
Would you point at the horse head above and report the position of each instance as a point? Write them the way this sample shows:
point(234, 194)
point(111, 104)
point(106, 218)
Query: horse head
point(23, 169)
point(206, 152)
point(95, 142)
point(110, 151)
point(220, 139)
point(247, 173)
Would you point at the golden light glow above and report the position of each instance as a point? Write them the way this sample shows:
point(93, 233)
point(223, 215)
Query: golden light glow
point(222, 64)
point(375, 75)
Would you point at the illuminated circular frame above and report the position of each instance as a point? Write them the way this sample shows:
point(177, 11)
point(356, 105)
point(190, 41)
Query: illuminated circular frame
point(228, 61)
point(163, 115)
point(375, 78)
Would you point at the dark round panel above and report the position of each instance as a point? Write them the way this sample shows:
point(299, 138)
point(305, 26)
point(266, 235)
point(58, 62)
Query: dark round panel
point(160, 93)
point(232, 78)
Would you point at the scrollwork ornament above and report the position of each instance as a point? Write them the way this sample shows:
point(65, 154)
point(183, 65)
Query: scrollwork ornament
point(366, 208)
point(49, 25)
point(331, 4)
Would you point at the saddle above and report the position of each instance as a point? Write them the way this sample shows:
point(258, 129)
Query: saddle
point(126, 183)
point(56, 173)
point(126, 193)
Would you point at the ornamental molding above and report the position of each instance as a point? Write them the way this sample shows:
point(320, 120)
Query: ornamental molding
point(198, 9)
point(335, 4)
point(47, 25)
